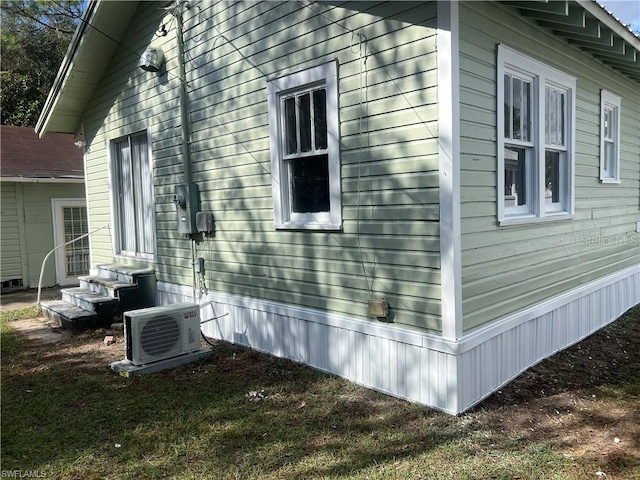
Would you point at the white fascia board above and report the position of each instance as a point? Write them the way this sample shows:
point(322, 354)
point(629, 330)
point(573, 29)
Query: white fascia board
point(595, 9)
point(449, 175)
point(43, 180)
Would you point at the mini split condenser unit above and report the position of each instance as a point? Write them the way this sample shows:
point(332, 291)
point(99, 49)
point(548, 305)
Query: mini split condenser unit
point(158, 333)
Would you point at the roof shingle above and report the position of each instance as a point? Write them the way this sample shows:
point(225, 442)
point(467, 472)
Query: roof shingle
point(23, 154)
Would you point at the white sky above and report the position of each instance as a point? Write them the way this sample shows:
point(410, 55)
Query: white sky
point(628, 11)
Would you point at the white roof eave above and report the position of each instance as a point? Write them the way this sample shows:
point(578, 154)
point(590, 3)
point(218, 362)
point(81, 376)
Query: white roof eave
point(611, 22)
point(62, 110)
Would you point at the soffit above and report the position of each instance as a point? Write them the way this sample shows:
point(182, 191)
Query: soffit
point(588, 26)
point(87, 58)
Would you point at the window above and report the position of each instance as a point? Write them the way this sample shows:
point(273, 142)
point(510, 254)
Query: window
point(609, 137)
point(535, 139)
point(133, 201)
point(305, 150)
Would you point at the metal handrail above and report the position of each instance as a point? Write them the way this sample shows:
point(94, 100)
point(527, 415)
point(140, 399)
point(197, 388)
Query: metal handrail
point(56, 248)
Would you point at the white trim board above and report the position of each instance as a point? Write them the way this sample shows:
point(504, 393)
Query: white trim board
point(449, 175)
point(449, 376)
point(42, 180)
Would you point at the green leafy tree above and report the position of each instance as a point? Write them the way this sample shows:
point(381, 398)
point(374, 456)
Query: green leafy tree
point(34, 39)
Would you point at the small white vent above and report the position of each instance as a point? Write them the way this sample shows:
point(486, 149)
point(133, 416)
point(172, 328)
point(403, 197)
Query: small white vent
point(158, 333)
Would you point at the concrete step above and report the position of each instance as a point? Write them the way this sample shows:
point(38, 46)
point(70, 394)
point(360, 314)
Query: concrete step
point(70, 316)
point(105, 286)
point(90, 300)
point(130, 296)
point(123, 273)
point(102, 298)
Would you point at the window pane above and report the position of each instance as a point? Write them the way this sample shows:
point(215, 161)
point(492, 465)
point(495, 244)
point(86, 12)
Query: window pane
point(547, 124)
point(526, 111)
point(608, 160)
point(608, 123)
point(561, 119)
point(550, 117)
point(555, 104)
point(304, 105)
point(320, 118)
point(517, 102)
point(310, 184)
point(125, 197)
point(515, 177)
point(144, 205)
point(552, 176)
point(291, 142)
point(507, 106)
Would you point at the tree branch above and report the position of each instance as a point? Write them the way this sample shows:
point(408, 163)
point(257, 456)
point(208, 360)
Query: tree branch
point(24, 13)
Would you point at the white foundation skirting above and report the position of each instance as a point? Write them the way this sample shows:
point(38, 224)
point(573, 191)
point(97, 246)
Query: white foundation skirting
point(449, 376)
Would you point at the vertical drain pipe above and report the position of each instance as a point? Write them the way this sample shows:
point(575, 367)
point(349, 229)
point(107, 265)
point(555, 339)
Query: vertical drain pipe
point(184, 106)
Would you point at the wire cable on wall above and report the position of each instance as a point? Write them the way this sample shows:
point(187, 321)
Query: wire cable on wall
point(362, 63)
point(364, 51)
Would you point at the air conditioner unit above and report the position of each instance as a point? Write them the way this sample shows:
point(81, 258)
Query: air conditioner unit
point(158, 333)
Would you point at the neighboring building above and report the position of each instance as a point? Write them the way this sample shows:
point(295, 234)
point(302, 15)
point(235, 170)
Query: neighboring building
point(425, 198)
point(43, 206)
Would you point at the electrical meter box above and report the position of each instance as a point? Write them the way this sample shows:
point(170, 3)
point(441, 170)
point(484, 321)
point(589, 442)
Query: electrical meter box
point(186, 201)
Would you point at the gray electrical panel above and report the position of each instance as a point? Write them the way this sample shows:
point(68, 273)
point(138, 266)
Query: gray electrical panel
point(186, 201)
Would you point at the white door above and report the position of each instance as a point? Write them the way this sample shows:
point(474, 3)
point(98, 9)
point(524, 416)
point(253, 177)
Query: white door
point(69, 222)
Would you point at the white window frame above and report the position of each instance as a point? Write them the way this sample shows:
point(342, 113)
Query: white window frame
point(325, 75)
point(541, 75)
point(116, 221)
point(610, 101)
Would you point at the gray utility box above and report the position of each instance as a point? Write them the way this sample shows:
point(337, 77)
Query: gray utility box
point(186, 201)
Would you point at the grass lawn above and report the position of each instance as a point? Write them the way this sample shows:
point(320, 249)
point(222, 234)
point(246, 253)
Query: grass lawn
point(66, 415)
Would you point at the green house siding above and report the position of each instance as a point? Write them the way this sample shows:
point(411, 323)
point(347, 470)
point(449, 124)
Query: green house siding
point(505, 269)
point(389, 245)
point(11, 260)
point(27, 229)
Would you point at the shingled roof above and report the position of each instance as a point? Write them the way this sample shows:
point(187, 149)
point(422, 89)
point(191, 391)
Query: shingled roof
point(25, 156)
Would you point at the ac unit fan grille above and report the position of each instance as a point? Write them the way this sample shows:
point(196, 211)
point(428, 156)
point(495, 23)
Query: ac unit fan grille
point(159, 335)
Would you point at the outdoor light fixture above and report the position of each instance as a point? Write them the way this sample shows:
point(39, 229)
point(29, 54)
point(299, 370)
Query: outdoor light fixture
point(151, 60)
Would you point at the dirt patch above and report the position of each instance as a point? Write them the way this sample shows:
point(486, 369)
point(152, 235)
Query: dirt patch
point(40, 331)
point(566, 401)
